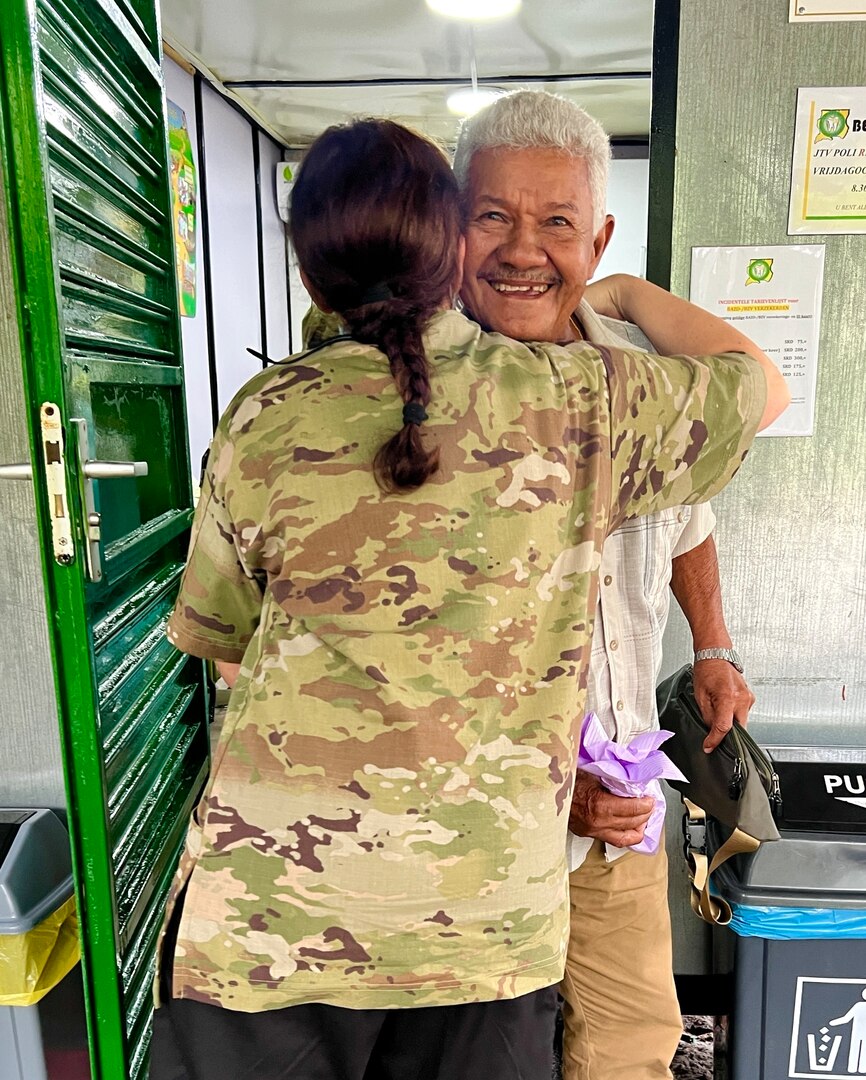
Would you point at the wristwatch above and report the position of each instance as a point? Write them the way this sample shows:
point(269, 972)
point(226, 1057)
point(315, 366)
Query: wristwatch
point(731, 655)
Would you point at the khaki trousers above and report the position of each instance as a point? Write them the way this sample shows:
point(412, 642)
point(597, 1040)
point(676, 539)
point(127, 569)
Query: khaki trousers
point(622, 1019)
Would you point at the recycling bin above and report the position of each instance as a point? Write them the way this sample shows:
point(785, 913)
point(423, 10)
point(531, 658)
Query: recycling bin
point(799, 926)
point(42, 1024)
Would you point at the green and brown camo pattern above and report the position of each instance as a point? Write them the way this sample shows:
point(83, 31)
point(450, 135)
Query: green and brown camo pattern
point(318, 326)
point(386, 817)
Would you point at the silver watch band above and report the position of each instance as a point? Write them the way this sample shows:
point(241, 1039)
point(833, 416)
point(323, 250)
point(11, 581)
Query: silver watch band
point(731, 655)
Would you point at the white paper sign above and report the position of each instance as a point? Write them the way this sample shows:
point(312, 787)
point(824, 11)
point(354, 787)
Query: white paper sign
point(828, 165)
point(773, 294)
point(826, 11)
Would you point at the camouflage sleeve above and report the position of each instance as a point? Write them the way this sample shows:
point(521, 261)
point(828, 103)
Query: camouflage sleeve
point(680, 426)
point(219, 604)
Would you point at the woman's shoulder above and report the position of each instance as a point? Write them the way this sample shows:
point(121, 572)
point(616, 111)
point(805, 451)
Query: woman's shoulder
point(530, 359)
point(291, 379)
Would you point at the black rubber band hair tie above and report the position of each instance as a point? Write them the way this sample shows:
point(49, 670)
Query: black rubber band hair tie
point(413, 413)
point(376, 294)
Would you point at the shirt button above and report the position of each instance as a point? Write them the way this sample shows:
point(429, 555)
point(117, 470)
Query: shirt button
point(620, 705)
point(607, 579)
point(680, 517)
point(614, 645)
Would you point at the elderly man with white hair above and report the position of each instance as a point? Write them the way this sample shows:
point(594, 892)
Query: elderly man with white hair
point(533, 168)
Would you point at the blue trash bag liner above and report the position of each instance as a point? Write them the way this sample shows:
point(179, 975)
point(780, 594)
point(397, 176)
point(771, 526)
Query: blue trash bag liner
point(794, 924)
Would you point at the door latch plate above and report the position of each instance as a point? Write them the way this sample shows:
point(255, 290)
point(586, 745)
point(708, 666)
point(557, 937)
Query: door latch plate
point(51, 431)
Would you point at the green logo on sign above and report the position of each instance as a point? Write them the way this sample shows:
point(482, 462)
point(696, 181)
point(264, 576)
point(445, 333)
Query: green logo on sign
point(832, 124)
point(759, 271)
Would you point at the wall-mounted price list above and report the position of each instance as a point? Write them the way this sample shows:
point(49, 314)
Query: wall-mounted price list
point(773, 294)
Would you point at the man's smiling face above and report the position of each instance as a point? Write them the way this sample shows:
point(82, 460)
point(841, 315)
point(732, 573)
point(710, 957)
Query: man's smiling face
point(530, 244)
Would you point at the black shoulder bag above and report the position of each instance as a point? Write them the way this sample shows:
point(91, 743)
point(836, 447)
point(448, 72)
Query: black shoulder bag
point(736, 784)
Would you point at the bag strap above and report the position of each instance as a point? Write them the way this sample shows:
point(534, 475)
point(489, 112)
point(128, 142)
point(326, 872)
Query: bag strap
point(712, 909)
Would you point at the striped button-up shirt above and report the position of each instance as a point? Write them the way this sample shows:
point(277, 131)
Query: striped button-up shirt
point(634, 600)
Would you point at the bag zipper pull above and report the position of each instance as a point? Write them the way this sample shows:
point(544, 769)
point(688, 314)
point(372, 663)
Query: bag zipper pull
point(776, 795)
point(735, 789)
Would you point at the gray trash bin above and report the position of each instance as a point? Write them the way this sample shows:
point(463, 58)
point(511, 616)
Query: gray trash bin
point(45, 1040)
point(799, 904)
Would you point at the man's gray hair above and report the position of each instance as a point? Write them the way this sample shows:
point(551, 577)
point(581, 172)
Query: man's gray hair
point(536, 120)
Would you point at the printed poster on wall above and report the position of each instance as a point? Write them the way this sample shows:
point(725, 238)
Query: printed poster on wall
point(828, 170)
point(773, 294)
point(182, 206)
point(803, 11)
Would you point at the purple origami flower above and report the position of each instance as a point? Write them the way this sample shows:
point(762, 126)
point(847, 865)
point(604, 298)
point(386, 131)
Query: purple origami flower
point(631, 771)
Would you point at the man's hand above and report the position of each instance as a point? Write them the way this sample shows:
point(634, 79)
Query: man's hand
point(611, 818)
point(722, 694)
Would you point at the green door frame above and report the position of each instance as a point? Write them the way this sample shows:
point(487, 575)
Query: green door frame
point(24, 161)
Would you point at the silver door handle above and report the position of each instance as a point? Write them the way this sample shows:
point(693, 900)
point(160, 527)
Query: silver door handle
point(22, 471)
point(55, 475)
point(93, 470)
point(98, 470)
point(114, 470)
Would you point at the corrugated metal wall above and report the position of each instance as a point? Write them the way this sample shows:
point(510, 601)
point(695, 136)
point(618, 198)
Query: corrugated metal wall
point(792, 527)
point(31, 768)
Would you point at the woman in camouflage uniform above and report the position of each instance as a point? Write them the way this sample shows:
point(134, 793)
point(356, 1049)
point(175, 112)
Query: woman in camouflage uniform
point(395, 551)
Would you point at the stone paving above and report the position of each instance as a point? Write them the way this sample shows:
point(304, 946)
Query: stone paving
point(694, 1057)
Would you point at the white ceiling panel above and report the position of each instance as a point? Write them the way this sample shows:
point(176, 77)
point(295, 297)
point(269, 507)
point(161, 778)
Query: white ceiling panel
point(622, 107)
point(301, 54)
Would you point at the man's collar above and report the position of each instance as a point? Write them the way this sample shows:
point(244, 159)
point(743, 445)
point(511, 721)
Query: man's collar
point(588, 323)
point(574, 322)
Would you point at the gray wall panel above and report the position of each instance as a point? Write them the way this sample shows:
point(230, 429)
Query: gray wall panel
point(31, 770)
point(792, 527)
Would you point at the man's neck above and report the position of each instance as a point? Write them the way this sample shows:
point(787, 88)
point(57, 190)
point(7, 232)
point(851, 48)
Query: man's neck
point(576, 328)
point(574, 331)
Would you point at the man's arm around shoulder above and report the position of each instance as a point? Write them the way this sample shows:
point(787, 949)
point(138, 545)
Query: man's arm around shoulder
point(679, 328)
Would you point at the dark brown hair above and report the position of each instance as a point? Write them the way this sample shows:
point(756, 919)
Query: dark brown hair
point(375, 223)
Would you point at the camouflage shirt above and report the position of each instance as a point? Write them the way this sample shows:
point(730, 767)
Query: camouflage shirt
point(386, 816)
point(318, 326)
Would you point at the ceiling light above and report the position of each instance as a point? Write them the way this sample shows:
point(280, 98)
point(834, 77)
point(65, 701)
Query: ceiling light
point(468, 102)
point(474, 10)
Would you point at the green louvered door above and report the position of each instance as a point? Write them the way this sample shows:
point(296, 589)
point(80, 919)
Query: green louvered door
point(84, 163)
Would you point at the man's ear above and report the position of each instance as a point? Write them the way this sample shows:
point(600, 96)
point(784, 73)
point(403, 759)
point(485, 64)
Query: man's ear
point(600, 242)
point(315, 295)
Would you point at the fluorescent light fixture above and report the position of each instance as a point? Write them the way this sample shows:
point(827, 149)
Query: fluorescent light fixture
point(468, 102)
point(474, 10)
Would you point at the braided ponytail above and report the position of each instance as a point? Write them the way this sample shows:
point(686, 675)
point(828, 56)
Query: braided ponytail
point(375, 224)
point(403, 463)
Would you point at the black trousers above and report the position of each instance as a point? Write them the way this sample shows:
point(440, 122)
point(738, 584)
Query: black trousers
point(492, 1040)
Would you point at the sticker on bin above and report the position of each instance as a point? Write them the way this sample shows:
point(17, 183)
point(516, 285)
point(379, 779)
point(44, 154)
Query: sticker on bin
point(829, 1033)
